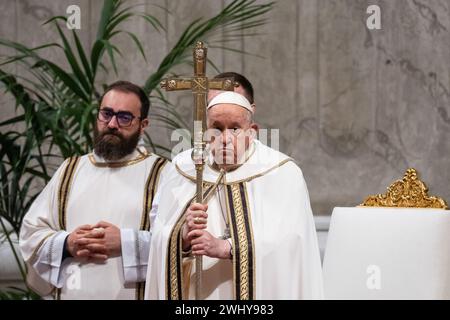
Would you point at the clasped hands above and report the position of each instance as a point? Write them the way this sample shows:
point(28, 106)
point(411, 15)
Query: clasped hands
point(95, 242)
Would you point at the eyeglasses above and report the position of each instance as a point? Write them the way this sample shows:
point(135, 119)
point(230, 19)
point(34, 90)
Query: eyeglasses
point(124, 118)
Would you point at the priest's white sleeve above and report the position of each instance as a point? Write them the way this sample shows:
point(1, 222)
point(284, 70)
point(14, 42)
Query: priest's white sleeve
point(135, 250)
point(48, 263)
point(41, 239)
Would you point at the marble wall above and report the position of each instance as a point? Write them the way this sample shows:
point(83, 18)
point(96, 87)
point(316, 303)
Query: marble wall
point(355, 107)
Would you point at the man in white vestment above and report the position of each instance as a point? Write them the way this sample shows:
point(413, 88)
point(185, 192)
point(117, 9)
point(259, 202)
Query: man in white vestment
point(87, 235)
point(255, 231)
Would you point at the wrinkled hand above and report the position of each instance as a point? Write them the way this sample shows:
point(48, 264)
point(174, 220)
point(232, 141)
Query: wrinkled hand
point(196, 218)
point(205, 244)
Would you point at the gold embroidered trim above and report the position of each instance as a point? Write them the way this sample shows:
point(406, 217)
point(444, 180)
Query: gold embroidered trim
point(57, 295)
point(173, 277)
point(35, 251)
point(243, 243)
point(150, 191)
point(64, 190)
point(249, 225)
point(63, 195)
point(248, 179)
point(140, 290)
point(142, 156)
point(32, 287)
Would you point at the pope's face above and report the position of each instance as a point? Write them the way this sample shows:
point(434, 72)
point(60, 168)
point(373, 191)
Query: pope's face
point(231, 132)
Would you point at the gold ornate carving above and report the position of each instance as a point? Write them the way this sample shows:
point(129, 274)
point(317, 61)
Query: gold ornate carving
point(228, 84)
point(172, 84)
point(410, 192)
point(142, 156)
point(199, 84)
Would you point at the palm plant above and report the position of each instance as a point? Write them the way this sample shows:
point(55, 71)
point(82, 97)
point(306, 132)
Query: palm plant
point(56, 105)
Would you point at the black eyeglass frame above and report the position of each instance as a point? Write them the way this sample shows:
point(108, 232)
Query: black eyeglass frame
point(117, 114)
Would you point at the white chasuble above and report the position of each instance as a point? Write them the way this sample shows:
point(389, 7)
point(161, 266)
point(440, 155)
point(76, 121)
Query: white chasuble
point(87, 190)
point(263, 208)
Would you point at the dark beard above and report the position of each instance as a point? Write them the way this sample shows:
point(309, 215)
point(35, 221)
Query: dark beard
point(111, 145)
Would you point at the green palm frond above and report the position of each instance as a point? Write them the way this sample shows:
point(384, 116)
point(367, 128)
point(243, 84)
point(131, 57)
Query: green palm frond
point(234, 20)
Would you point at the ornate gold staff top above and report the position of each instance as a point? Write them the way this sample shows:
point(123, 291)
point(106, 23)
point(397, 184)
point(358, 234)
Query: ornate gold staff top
point(199, 84)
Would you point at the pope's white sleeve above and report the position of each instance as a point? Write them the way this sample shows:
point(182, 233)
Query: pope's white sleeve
point(48, 263)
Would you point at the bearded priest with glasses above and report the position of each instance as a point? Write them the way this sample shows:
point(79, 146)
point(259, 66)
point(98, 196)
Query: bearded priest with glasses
point(86, 236)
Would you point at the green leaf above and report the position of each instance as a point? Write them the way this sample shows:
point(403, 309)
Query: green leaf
point(153, 21)
point(109, 8)
point(239, 15)
point(110, 49)
point(68, 80)
point(83, 58)
point(96, 54)
point(13, 120)
point(138, 44)
point(80, 76)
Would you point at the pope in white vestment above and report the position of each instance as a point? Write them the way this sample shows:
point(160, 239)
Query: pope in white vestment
point(261, 208)
point(87, 190)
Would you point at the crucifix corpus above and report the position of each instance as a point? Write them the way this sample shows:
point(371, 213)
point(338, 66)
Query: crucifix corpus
point(199, 84)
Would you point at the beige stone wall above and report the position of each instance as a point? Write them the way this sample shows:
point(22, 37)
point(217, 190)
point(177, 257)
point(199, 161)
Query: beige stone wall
point(354, 107)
